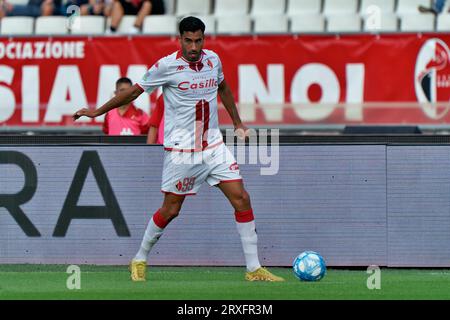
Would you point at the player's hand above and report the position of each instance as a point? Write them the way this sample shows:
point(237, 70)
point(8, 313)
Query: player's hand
point(83, 113)
point(242, 132)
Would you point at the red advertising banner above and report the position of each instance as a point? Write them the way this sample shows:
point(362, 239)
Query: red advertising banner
point(321, 79)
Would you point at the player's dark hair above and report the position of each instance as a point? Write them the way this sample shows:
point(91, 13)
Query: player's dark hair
point(191, 24)
point(124, 80)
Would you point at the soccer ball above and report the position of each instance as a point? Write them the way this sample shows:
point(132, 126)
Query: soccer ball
point(309, 266)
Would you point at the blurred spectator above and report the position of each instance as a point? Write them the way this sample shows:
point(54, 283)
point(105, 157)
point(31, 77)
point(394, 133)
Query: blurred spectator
point(436, 7)
point(140, 8)
point(67, 9)
point(97, 8)
point(156, 131)
point(34, 8)
point(89, 7)
point(108, 8)
point(127, 119)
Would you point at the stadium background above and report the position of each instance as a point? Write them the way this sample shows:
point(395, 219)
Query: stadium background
point(306, 67)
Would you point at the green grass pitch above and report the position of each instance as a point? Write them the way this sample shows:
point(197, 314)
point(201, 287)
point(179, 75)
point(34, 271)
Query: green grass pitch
point(216, 283)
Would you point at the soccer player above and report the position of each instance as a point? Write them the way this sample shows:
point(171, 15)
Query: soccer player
point(194, 149)
point(127, 119)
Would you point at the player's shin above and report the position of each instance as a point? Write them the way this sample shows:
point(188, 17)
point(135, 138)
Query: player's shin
point(245, 224)
point(153, 232)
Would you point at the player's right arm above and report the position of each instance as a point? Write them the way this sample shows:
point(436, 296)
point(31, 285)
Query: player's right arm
point(120, 99)
point(156, 76)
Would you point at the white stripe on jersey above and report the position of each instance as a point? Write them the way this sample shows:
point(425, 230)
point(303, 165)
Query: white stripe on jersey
point(190, 99)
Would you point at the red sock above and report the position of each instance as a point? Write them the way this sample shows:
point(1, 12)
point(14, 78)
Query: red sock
point(244, 216)
point(159, 220)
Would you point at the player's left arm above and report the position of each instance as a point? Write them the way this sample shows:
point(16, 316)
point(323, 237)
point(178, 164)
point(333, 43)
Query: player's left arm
point(226, 95)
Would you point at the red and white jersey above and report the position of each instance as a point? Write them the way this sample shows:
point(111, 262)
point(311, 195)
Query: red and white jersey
point(190, 99)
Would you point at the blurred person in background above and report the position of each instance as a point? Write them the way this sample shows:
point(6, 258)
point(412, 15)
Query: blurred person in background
point(107, 8)
point(88, 7)
point(156, 123)
point(34, 8)
point(67, 7)
point(437, 6)
point(127, 119)
point(94, 8)
point(140, 8)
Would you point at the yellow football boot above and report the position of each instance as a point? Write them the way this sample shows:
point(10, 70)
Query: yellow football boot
point(137, 269)
point(262, 274)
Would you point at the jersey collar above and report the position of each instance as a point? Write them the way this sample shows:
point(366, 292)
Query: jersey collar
point(180, 56)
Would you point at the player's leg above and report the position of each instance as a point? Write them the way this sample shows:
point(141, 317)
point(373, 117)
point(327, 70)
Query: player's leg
point(225, 174)
point(180, 177)
point(245, 224)
point(169, 210)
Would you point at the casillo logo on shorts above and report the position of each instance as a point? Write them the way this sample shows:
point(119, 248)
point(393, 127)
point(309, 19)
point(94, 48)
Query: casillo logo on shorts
point(432, 77)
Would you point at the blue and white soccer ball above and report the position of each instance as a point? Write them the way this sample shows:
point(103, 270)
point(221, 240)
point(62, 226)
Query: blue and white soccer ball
point(309, 266)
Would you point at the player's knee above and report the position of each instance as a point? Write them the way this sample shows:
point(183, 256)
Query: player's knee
point(170, 213)
point(242, 201)
point(173, 213)
point(245, 198)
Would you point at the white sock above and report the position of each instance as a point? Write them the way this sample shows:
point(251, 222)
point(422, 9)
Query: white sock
point(151, 236)
point(249, 240)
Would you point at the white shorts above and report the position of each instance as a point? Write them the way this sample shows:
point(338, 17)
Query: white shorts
point(184, 172)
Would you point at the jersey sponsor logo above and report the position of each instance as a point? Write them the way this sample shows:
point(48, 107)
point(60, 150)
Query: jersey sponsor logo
point(186, 85)
point(181, 68)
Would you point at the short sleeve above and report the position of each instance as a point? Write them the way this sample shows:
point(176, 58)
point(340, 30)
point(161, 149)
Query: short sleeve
point(220, 76)
point(155, 77)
